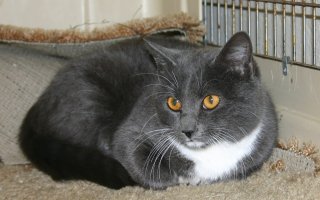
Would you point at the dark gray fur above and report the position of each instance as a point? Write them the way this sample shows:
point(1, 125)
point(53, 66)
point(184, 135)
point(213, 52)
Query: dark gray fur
point(104, 118)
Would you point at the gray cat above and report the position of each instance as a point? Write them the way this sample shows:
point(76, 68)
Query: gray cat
point(156, 112)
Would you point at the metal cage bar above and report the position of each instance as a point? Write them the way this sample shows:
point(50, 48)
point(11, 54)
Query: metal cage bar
point(304, 34)
point(227, 24)
point(204, 10)
point(293, 33)
point(257, 26)
point(211, 21)
point(266, 46)
point(275, 52)
point(241, 15)
point(233, 18)
point(249, 17)
point(314, 31)
point(285, 58)
point(226, 20)
point(219, 23)
point(284, 31)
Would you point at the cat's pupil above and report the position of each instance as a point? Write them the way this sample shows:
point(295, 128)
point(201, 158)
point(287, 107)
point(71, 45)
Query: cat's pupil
point(211, 100)
point(174, 102)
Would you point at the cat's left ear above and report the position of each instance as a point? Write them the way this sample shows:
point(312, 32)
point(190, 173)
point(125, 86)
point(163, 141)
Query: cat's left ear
point(236, 56)
point(162, 56)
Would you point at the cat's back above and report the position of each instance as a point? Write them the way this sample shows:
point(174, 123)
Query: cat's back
point(122, 60)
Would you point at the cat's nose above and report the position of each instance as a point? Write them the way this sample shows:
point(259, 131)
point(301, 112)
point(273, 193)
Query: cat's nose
point(188, 125)
point(188, 133)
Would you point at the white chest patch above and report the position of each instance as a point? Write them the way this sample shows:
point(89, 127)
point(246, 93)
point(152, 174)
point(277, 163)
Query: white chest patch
point(218, 160)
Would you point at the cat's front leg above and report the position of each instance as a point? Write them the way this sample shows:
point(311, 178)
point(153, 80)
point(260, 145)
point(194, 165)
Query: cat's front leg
point(161, 170)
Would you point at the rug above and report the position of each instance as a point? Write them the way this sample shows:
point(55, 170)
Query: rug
point(291, 173)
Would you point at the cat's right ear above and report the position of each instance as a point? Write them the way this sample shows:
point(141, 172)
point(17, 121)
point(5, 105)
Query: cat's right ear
point(162, 56)
point(236, 56)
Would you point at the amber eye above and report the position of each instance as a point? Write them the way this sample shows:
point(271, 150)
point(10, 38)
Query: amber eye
point(174, 104)
point(210, 102)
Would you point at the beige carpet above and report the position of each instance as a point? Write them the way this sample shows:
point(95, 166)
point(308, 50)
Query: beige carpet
point(286, 176)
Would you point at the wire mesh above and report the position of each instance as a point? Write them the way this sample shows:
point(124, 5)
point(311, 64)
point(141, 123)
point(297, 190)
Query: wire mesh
point(279, 29)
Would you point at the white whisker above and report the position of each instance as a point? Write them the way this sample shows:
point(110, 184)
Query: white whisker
point(175, 79)
point(163, 154)
point(152, 155)
point(147, 138)
point(147, 122)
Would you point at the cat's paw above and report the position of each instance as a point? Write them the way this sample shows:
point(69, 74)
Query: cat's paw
point(189, 180)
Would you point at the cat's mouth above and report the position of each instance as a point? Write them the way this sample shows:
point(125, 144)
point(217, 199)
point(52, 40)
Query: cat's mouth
point(195, 144)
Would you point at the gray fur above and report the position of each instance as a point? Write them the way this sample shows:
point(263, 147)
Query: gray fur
point(104, 118)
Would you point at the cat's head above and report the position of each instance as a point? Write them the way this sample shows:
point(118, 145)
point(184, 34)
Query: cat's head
point(206, 96)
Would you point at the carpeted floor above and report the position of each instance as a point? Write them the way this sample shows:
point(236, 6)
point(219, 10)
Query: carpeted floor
point(274, 181)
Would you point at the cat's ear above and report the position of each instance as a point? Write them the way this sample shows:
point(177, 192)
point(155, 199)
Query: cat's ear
point(236, 55)
point(162, 56)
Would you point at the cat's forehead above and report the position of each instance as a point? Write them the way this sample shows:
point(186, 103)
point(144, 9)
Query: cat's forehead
point(194, 63)
point(190, 81)
point(192, 70)
point(194, 59)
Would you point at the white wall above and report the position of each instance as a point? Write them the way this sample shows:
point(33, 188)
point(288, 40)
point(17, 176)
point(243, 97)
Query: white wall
point(161, 7)
point(297, 99)
point(62, 14)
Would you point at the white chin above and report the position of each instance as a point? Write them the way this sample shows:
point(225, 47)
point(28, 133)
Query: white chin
point(193, 144)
